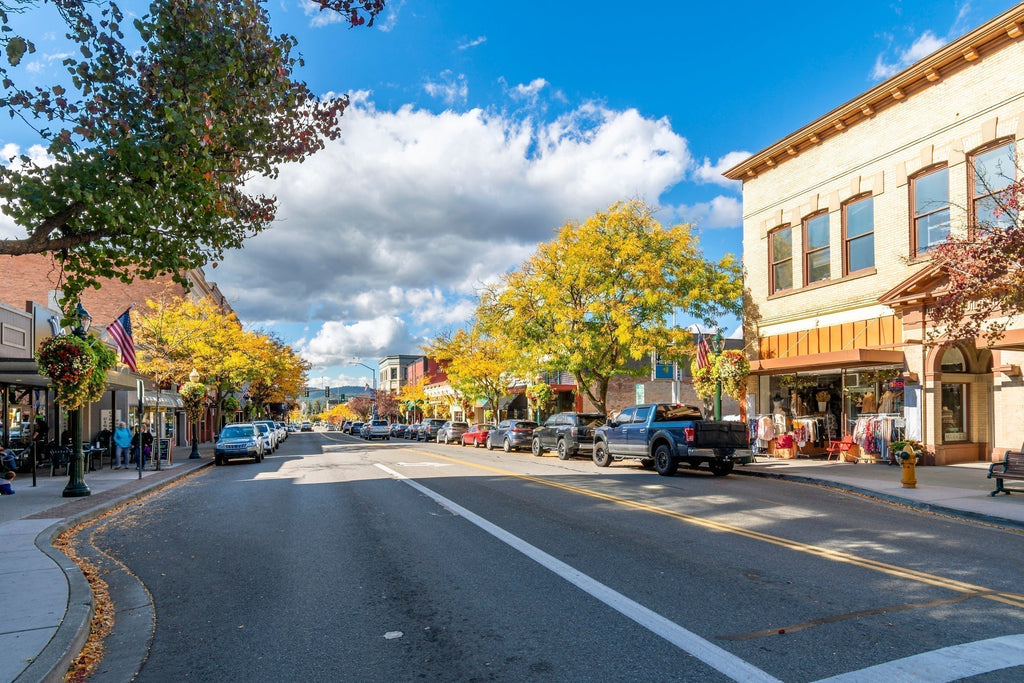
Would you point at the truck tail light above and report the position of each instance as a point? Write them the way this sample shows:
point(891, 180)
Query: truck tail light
point(690, 433)
point(574, 431)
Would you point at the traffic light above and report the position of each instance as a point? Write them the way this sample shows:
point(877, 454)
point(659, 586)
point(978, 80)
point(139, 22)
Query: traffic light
point(307, 392)
point(343, 397)
point(327, 392)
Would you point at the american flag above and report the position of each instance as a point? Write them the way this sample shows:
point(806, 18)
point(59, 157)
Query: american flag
point(121, 331)
point(702, 352)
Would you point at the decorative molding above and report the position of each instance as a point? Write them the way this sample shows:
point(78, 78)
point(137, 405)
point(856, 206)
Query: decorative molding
point(1008, 370)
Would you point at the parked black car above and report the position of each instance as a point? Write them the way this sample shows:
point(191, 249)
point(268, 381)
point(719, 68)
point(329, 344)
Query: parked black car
point(568, 434)
point(428, 429)
point(511, 435)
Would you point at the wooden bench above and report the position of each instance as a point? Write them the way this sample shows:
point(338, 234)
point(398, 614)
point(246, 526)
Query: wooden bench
point(1011, 468)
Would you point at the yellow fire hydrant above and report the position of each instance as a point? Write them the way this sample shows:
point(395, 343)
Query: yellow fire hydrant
point(908, 459)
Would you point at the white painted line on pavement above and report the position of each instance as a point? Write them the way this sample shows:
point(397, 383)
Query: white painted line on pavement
point(946, 664)
point(721, 660)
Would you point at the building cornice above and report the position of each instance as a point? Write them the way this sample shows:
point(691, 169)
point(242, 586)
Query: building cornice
point(992, 36)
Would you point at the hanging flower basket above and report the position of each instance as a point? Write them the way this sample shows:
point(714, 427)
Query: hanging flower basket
point(76, 367)
point(730, 368)
point(230, 404)
point(192, 396)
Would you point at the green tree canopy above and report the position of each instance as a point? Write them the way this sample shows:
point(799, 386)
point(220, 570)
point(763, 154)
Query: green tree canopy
point(601, 295)
point(151, 139)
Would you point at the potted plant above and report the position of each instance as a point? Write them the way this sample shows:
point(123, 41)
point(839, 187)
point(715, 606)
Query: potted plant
point(823, 397)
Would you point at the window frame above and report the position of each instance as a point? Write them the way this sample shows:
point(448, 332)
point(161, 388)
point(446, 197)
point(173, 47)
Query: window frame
point(772, 263)
point(844, 220)
point(805, 234)
point(972, 174)
point(915, 217)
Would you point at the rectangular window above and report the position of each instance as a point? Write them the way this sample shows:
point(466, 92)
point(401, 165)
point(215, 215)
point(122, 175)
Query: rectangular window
point(954, 412)
point(817, 255)
point(780, 243)
point(994, 170)
point(859, 240)
point(930, 195)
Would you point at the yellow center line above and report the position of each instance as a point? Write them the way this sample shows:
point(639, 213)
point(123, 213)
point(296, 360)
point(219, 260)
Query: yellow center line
point(1014, 599)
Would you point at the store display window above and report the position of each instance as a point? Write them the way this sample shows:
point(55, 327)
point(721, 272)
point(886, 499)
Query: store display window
point(954, 413)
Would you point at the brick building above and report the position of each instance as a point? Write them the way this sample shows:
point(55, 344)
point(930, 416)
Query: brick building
point(839, 220)
point(29, 298)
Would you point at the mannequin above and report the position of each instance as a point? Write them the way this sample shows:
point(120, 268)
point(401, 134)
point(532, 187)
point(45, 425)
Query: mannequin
point(796, 404)
point(868, 403)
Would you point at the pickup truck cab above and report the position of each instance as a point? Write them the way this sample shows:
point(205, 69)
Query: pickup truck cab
point(663, 435)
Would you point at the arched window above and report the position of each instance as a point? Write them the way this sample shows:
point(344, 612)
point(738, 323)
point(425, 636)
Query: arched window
point(953, 360)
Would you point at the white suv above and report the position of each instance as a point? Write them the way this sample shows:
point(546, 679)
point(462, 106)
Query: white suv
point(379, 429)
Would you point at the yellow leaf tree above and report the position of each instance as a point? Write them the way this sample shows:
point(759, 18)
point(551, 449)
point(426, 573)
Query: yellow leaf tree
point(475, 363)
point(600, 296)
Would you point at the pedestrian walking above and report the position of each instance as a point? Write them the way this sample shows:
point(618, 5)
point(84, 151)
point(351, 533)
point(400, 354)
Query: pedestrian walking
point(142, 444)
point(122, 445)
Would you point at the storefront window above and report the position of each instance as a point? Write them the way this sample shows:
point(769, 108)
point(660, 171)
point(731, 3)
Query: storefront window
point(954, 412)
point(953, 360)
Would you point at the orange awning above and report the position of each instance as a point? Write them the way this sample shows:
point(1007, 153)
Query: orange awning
point(832, 360)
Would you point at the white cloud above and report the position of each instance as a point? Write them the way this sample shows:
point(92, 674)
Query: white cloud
point(530, 90)
point(450, 88)
point(339, 343)
point(712, 173)
point(473, 43)
point(410, 212)
point(720, 212)
point(925, 44)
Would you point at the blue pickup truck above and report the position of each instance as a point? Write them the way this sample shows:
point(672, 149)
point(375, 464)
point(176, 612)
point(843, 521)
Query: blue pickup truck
point(663, 435)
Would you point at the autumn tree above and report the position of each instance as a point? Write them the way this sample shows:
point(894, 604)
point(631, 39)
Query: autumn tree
point(276, 374)
point(984, 292)
point(151, 137)
point(600, 296)
point(476, 364)
point(414, 397)
point(361, 406)
point(388, 405)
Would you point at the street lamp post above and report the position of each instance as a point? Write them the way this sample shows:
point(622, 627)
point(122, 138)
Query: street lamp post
point(373, 375)
point(194, 378)
point(718, 345)
point(76, 486)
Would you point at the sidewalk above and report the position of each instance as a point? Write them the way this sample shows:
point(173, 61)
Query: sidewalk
point(955, 490)
point(47, 602)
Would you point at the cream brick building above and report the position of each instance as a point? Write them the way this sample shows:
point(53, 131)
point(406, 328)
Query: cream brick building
point(838, 221)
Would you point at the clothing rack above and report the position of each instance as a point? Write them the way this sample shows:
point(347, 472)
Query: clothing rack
point(873, 432)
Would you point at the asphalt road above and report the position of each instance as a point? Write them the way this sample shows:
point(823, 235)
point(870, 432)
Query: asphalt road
point(336, 559)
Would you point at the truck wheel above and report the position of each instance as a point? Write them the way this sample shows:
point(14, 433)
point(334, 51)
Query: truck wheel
point(601, 456)
point(535, 447)
point(563, 450)
point(720, 468)
point(647, 463)
point(664, 462)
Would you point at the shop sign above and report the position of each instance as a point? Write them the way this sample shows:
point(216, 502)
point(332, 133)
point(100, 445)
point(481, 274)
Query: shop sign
point(896, 384)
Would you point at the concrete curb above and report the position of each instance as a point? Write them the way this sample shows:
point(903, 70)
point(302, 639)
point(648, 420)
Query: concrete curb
point(967, 515)
point(52, 663)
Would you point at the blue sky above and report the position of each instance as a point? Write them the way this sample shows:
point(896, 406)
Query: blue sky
point(477, 128)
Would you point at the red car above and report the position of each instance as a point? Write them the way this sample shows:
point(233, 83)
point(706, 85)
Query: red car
point(475, 435)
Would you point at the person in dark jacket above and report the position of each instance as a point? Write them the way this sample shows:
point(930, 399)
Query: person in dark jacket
point(146, 439)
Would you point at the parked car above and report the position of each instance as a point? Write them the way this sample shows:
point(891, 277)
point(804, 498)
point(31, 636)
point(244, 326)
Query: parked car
point(428, 429)
point(275, 440)
point(511, 435)
point(664, 435)
point(238, 441)
point(377, 429)
point(451, 431)
point(269, 437)
point(292, 427)
point(412, 430)
point(476, 435)
point(307, 426)
point(282, 430)
point(355, 428)
point(397, 430)
point(567, 434)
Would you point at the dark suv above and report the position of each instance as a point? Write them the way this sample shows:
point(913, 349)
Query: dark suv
point(428, 429)
point(567, 434)
point(511, 435)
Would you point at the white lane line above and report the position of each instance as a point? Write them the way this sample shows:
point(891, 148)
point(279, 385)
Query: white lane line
point(945, 664)
point(721, 660)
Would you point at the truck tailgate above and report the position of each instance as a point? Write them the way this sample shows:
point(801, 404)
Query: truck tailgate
point(721, 434)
